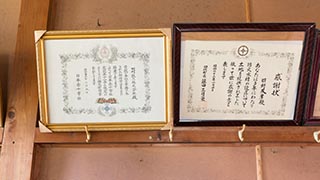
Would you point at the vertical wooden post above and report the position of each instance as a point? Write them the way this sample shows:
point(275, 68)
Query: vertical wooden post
point(18, 140)
point(259, 162)
point(248, 11)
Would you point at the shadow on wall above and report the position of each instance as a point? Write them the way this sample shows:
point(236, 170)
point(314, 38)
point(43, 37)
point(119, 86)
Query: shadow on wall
point(4, 61)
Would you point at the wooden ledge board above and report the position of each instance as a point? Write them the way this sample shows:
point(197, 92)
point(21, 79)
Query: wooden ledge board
point(173, 145)
point(188, 135)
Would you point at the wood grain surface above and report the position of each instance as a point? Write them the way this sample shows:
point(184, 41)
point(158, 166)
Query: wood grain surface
point(17, 146)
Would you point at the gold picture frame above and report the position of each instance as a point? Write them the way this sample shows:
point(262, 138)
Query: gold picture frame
point(92, 80)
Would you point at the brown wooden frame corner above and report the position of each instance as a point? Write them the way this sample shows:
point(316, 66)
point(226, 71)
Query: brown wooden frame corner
point(310, 118)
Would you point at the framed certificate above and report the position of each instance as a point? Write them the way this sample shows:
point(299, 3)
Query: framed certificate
point(234, 74)
point(104, 80)
point(313, 107)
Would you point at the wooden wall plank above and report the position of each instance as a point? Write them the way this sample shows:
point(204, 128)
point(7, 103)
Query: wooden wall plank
point(17, 147)
point(197, 162)
point(144, 163)
point(9, 13)
point(126, 14)
point(291, 163)
point(285, 11)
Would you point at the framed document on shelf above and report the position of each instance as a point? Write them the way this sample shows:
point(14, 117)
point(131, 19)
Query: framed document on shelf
point(312, 113)
point(234, 74)
point(104, 80)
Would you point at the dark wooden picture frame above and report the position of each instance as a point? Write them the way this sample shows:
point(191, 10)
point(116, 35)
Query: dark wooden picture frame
point(308, 30)
point(312, 118)
point(1, 107)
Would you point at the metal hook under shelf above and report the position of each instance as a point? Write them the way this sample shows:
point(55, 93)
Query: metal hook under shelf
point(88, 134)
point(316, 136)
point(240, 133)
point(171, 134)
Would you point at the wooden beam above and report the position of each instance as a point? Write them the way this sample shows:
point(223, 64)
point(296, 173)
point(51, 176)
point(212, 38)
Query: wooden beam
point(1, 134)
point(18, 139)
point(291, 134)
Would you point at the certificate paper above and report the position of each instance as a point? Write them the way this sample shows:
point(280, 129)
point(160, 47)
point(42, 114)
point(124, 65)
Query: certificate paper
point(106, 80)
point(239, 80)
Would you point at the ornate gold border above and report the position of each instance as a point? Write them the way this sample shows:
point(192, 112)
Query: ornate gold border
point(42, 83)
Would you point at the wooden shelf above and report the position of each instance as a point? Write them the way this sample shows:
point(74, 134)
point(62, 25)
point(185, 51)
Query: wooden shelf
point(189, 135)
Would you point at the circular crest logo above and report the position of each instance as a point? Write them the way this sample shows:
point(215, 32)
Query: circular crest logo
point(104, 53)
point(243, 50)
